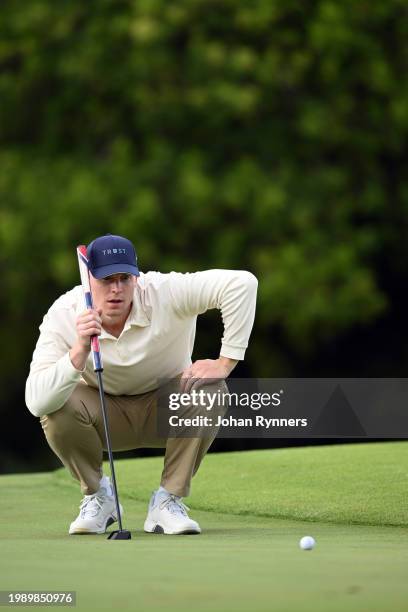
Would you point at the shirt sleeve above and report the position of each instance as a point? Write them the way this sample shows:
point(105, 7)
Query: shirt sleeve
point(233, 292)
point(52, 376)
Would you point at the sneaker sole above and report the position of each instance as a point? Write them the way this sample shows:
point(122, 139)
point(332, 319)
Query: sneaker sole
point(151, 527)
point(83, 531)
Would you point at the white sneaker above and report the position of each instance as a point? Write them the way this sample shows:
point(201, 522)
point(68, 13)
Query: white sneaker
point(96, 513)
point(167, 514)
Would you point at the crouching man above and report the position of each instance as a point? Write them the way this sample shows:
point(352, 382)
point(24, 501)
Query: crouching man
point(146, 325)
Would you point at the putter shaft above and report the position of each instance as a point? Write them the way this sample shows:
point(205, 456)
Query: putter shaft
point(109, 444)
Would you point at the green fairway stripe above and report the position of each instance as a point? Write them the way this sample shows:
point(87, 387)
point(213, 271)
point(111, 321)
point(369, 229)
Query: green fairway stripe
point(362, 484)
point(245, 558)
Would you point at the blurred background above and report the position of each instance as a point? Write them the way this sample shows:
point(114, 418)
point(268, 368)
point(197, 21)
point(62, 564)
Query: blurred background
point(260, 135)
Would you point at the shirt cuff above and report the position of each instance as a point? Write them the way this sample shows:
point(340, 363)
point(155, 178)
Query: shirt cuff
point(232, 352)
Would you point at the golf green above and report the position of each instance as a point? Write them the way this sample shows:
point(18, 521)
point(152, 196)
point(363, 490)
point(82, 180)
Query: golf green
point(253, 508)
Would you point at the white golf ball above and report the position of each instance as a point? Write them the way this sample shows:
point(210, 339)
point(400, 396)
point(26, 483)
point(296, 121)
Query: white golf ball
point(307, 543)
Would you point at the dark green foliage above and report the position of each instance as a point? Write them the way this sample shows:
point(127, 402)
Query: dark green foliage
point(264, 135)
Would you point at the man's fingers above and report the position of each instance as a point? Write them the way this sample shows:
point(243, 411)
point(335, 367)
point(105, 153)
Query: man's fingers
point(90, 332)
point(90, 316)
point(86, 324)
point(183, 382)
point(190, 383)
point(89, 329)
point(201, 372)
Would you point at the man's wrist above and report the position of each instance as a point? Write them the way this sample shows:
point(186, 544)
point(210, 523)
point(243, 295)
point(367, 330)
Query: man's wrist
point(228, 364)
point(78, 356)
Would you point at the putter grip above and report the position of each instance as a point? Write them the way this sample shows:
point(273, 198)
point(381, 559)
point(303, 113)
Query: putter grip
point(86, 287)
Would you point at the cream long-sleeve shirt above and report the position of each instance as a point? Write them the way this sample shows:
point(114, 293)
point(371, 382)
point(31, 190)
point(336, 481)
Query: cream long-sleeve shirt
point(157, 340)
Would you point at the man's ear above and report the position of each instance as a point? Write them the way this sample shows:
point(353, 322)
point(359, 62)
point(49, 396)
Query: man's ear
point(92, 279)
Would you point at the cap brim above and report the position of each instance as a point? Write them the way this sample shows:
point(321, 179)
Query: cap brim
point(104, 271)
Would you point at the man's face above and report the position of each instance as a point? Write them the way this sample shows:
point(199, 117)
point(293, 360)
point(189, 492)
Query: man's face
point(114, 294)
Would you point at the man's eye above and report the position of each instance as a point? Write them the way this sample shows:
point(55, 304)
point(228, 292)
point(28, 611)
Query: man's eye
point(123, 279)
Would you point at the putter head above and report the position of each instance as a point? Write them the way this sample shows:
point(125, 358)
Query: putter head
point(120, 535)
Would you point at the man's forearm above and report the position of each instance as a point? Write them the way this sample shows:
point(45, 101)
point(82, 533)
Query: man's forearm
point(47, 389)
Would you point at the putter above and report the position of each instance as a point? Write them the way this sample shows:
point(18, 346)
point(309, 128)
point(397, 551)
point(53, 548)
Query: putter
point(120, 534)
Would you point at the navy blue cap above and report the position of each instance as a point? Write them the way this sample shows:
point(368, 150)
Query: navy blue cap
point(111, 255)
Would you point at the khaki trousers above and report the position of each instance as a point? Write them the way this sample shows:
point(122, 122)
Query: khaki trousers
point(76, 434)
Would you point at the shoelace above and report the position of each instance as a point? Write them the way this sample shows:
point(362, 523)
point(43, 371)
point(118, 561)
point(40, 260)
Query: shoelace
point(92, 504)
point(174, 505)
